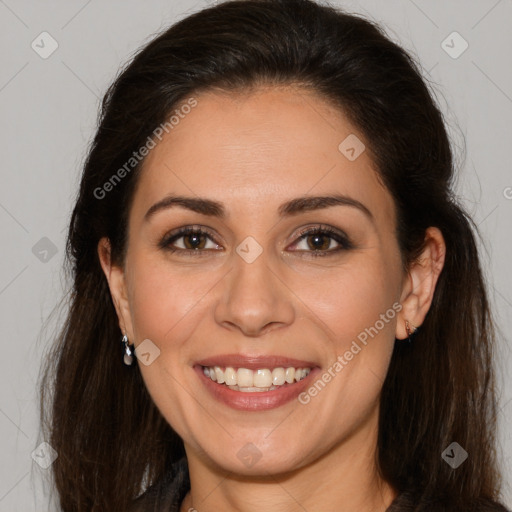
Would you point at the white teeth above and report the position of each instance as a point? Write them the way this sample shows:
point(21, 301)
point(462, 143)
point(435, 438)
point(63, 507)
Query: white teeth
point(246, 380)
point(278, 376)
point(244, 377)
point(300, 373)
point(219, 374)
point(262, 378)
point(230, 376)
point(252, 389)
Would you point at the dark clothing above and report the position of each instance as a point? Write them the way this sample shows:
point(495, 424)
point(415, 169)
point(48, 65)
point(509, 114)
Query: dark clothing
point(167, 495)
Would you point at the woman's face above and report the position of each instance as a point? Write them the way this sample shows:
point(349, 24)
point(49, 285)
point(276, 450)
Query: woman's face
point(260, 289)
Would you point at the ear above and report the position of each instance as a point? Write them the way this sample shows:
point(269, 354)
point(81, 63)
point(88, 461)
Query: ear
point(116, 281)
point(419, 284)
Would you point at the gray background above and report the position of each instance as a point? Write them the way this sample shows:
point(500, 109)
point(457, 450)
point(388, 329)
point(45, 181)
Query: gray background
point(49, 108)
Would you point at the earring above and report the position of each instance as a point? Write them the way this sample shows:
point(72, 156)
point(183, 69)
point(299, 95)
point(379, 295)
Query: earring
point(129, 351)
point(410, 333)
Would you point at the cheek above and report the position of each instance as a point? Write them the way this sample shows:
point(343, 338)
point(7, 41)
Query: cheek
point(357, 307)
point(166, 307)
point(351, 299)
point(164, 302)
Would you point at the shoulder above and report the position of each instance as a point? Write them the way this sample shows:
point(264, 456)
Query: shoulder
point(408, 502)
point(491, 506)
point(166, 494)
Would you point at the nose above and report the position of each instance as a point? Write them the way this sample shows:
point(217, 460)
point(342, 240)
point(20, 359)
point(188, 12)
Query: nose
point(255, 300)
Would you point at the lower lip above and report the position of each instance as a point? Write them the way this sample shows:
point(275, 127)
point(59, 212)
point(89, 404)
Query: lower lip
point(257, 400)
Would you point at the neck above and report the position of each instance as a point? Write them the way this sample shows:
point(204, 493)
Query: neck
point(345, 479)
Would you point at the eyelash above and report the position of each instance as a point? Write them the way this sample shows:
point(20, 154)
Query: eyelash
point(340, 238)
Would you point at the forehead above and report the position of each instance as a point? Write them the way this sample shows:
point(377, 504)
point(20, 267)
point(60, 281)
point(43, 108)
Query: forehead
point(258, 148)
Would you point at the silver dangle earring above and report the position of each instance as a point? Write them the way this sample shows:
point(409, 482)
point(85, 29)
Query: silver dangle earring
point(129, 351)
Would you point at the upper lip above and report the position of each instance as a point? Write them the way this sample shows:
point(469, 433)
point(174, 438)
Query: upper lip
point(255, 362)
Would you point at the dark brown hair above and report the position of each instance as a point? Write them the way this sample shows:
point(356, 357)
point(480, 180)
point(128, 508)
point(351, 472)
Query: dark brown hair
point(438, 390)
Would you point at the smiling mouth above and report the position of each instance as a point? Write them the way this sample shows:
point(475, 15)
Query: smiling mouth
point(259, 380)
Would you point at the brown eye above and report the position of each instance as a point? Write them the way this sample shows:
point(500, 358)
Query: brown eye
point(321, 241)
point(318, 242)
point(194, 241)
point(189, 241)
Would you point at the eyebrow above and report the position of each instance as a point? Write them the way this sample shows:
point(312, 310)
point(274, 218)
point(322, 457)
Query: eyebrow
point(213, 208)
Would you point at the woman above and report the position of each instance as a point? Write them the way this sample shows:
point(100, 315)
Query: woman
point(265, 221)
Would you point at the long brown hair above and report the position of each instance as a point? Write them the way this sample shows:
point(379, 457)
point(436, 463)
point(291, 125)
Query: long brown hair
point(440, 389)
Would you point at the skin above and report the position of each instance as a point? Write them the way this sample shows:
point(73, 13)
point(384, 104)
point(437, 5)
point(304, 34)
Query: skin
point(252, 152)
